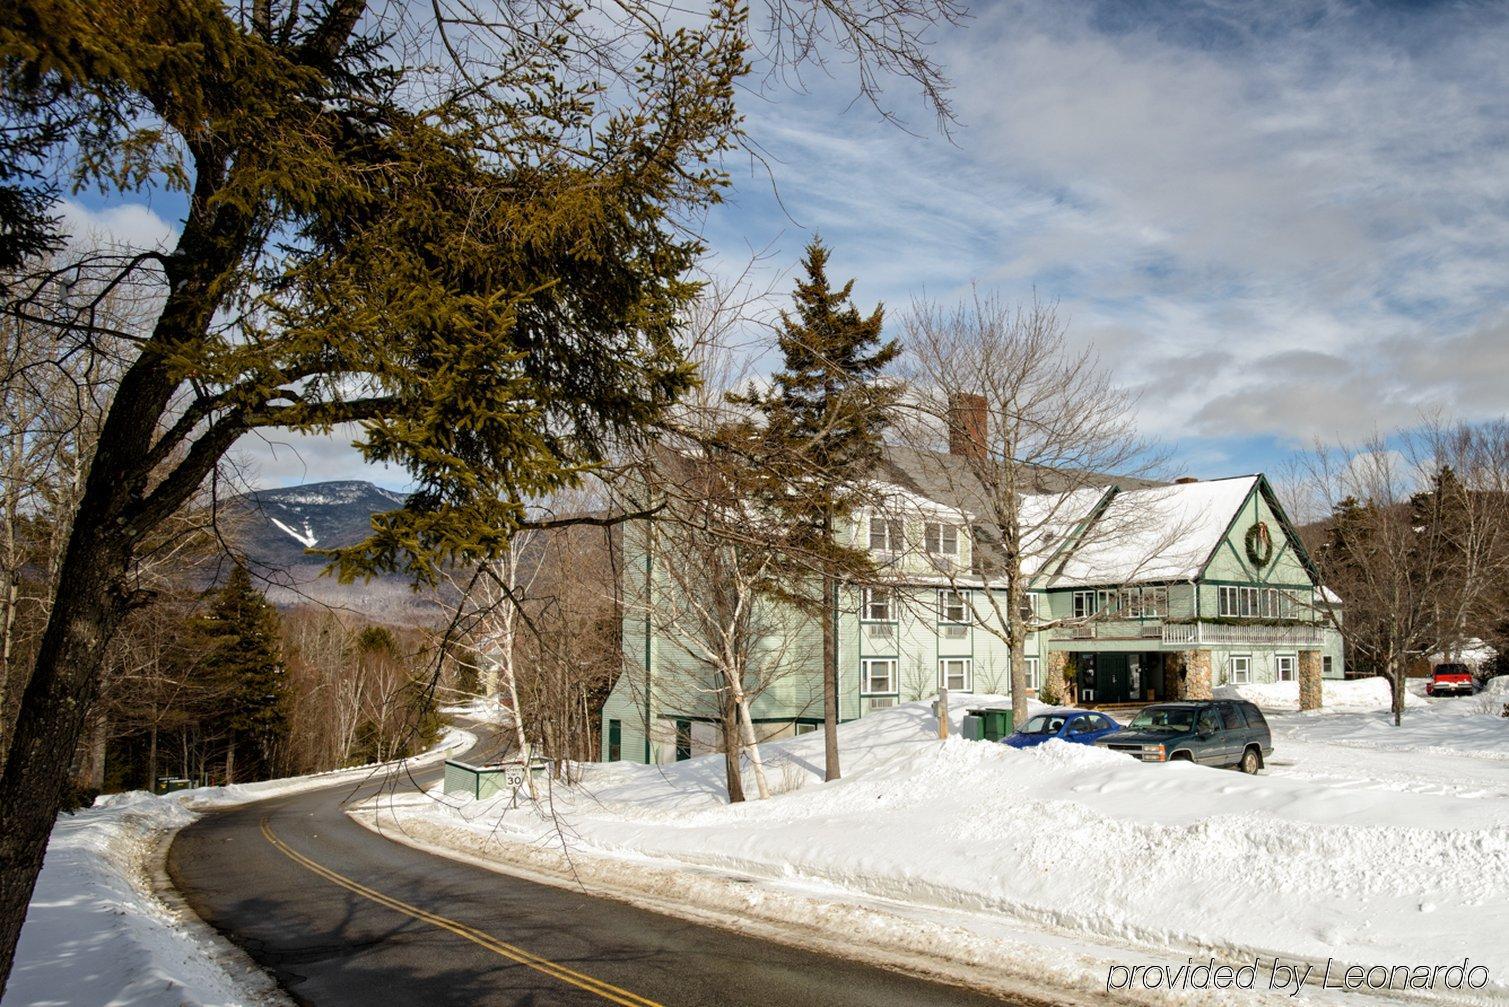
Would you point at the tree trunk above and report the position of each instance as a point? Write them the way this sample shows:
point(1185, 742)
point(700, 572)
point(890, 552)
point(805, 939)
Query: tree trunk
point(230, 758)
point(752, 745)
point(152, 757)
point(1019, 697)
point(64, 684)
point(731, 748)
point(830, 678)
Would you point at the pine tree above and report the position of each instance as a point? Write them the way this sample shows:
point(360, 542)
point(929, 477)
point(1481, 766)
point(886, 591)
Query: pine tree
point(825, 419)
point(243, 658)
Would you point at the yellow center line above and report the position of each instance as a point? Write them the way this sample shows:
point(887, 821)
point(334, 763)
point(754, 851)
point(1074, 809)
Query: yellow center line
point(513, 953)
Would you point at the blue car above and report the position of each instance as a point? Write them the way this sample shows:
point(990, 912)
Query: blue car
point(1082, 727)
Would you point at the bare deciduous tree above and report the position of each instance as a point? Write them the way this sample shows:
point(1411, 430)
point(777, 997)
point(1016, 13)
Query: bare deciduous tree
point(1039, 428)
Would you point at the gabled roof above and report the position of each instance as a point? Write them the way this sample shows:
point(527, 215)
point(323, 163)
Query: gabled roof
point(1158, 533)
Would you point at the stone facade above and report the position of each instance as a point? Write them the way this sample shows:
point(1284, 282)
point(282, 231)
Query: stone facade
point(1058, 666)
point(1173, 675)
point(1309, 680)
point(1197, 680)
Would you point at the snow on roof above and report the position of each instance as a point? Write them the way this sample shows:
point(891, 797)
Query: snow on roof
point(1049, 519)
point(1154, 534)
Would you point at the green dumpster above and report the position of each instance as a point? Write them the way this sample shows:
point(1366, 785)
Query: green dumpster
point(997, 721)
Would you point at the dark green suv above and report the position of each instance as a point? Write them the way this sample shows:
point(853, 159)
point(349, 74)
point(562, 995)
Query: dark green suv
point(1219, 732)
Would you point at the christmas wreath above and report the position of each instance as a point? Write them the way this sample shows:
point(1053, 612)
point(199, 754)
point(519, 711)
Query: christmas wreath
point(1259, 544)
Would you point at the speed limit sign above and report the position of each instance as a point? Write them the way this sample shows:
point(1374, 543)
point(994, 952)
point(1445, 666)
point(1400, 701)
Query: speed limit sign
point(514, 775)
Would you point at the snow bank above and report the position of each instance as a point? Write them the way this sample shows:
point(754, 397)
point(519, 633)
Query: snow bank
point(1497, 686)
point(1067, 837)
point(1358, 695)
point(96, 932)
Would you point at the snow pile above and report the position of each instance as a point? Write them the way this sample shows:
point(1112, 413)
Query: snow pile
point(96, 932)
point(1358, 695)
point(1497, 686)
point(1086, 842)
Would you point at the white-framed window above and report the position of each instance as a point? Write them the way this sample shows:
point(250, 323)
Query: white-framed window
point(1288, 667)
point(1241, 669)
point(801, 728)
point(885, 534)
point(1129, 602)
point(941, 539)
point(954, 673)
point(878, 675)
point(1033, 671)
point(880, 605)
point(1154, 602)
point(1084, 604)
point(1255, 603)
point(1028, 609)
point(952, 606)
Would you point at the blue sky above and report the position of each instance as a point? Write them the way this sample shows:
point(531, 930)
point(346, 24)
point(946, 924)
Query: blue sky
point(1274, 221)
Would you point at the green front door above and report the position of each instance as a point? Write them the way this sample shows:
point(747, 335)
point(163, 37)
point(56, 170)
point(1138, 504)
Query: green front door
point(1112, 678)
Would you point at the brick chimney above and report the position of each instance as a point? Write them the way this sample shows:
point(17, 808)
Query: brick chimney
point(966, 425)
point(1185, 480)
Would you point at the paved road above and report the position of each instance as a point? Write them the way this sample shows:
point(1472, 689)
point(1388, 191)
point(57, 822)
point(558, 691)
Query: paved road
point(339, 915)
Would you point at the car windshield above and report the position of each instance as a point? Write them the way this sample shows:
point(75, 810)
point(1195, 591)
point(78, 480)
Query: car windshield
point(1044, 723)
point(1164, 718)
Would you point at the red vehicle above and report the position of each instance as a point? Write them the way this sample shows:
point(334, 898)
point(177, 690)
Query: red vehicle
point(1450, 680)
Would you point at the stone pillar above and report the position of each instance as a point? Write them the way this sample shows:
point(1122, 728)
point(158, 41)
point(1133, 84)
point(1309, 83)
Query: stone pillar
point(1058, 664)
point(1197, 679)
point(1173, 675)
point(1309, 680)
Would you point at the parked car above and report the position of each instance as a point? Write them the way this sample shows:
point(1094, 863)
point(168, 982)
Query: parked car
point(1449, 680)
point(1082, 727)
point(1221, 732)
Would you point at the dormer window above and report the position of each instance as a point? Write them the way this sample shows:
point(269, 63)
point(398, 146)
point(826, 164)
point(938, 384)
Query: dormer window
point(885, 534)
point(941, 539)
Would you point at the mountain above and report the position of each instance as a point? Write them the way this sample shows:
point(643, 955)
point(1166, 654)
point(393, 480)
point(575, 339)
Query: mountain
point(274, 529)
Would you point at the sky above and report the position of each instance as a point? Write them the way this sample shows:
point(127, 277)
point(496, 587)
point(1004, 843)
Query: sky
point(1274, 221)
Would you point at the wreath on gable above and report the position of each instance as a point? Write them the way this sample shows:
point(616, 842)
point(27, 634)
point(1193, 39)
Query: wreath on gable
point(1259, 543)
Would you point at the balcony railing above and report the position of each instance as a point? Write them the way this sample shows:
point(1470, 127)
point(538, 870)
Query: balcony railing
point(1198, 634)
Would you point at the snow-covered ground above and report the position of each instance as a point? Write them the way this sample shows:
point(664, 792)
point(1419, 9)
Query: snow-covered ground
point(1362, 843)
point(97, 931)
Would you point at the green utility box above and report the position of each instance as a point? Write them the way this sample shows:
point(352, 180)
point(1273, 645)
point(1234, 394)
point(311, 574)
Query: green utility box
point(998, 721)
point(169, 784)
point(974, 728)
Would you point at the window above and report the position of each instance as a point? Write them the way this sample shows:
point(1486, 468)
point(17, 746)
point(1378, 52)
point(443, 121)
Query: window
point(1286, 667)
point(1129, 602)
point(952, 607)
point(615, 740)
point(1241, 668)
point(1084, 604)
point(878, 675)
point(801, 728)
point(879, 605)
point(1082, 725)
point(953, 674)
point(1153, 602)
point(683, 740)
point(885, 534)
point(1032, 673)
point(1232, 717)
point(879, 702)
point(1325, 666)
point(1028, 610)
point(1255, 603)
point(941, 539)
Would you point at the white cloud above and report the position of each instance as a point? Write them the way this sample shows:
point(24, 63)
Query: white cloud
point(132, 225)
point(1282, 220)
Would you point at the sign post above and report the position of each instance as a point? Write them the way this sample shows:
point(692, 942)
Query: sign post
point(943, 714)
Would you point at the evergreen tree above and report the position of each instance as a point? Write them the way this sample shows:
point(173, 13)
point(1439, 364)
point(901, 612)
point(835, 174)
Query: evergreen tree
point(825, 418)
point(243, 658)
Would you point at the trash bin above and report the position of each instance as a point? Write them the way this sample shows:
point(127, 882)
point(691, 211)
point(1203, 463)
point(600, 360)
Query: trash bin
point(974, 728)
point(998, 722)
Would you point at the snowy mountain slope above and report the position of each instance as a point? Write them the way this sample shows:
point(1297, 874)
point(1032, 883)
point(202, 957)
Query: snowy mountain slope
point(275, 529)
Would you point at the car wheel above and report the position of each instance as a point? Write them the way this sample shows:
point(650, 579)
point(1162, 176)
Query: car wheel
point(1251, 762)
